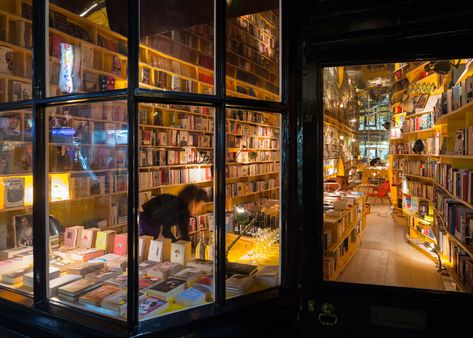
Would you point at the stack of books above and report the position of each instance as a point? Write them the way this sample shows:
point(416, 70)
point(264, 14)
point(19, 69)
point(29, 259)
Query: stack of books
point(167, 289)
point(74, 290)
point(239, 284)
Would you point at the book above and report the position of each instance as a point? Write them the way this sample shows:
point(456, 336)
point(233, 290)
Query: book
point(3, 236)
point(56, 283)
point(73, 290)
point(14, 191)
point(120, 281)
point(268, 275)
point(155, 252)
point(105, 274)
point(150, 306)
point(147, 281)
point(202, 265)
point(190, 297)
point(96, 296)
point(88, 237)
point(239, 284)
point(72, 236)
point(168, 289)
point(105, 240)
point(144, 242)
point(164, 269)
point(181, 252)
point(190, 275)
point(15, 276)
point(120, 244)
point(85, 268)
point(6, 60)
point(85, 255)
point(459, 146)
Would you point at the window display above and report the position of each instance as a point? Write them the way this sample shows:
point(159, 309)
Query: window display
point(252, 201)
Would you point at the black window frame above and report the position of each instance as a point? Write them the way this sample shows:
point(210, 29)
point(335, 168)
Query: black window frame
point(135, 95)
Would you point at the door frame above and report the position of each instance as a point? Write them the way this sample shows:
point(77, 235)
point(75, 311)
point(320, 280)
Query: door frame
point(360, 308)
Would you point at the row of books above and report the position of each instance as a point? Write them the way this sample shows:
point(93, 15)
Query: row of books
point(425, 168)
point(114, 111)
point(248, 129)
point(425, 121)
point(174, 119)
point(419, 189)
point(243, 188)
point(422, 228)
point(166, 81)
point(234, 171)
point(174, 138)
point(250, 116)
point(247, 157)
point(251, 142)
point(457, 217)
point(82, 186)
point(160, 177)
point(454, 98)
point(463, 267)
point(459, 182)
point(267, 48)
point(163, 157)
point(463, 141)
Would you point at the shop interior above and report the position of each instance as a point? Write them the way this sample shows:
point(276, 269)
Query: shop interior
point(398, 170)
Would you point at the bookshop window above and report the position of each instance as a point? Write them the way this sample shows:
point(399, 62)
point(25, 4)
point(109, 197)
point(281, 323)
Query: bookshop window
point(16, 199)
point(399, 212)
point(15, 51)
point(87, 47)
point(253, 50)
point(176, 220)
point(177, 46)
point(252, 201)
point(88, 205)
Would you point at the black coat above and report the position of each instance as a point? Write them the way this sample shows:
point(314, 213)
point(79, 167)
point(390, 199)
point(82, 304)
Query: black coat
point(162, 212)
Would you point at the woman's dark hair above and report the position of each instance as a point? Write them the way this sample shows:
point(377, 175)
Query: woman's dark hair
point(193, 193)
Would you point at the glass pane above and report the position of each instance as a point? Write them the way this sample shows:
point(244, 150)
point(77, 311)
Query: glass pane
point(177, 47)
point(87, 47)
point(252, 201)
point(15, 51)
point(253, 50)
point(16, 199)
point(88, 205)
point(176, 208)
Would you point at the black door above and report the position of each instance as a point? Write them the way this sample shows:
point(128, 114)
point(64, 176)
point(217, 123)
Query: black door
point(354, 35)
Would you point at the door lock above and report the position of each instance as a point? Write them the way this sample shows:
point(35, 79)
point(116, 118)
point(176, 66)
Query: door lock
point(327, 316)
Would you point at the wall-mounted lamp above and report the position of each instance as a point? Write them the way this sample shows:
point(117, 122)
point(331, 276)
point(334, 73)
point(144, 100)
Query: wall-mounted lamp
point(434, 248)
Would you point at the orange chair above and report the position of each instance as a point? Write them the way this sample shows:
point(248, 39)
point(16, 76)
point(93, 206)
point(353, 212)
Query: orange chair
point(380, 192)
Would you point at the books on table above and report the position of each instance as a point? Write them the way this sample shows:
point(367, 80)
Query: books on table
point(96, 296)
point(190, 297)
point(190, 275)
point(164, 270)
point(151, 306)
point(168, 289)
point(239, 284)
point(72, 291)
point(56, 283)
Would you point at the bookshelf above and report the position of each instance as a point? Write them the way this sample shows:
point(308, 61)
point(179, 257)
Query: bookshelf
point(342, 231)
point(445, 174)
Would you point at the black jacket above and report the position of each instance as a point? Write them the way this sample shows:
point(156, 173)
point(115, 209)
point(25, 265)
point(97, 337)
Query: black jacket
point(162, 212)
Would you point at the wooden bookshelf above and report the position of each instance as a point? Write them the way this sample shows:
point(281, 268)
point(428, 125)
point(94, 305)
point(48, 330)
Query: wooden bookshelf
point(458, 199)
point(425, 178)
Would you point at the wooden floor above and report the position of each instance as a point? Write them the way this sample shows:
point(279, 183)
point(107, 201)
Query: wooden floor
point(385, 257)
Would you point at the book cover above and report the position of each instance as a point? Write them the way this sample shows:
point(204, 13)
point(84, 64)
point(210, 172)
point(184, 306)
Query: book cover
point(6, 60)
point(150, 306)
point(155, 252)
point(144, 243)
point(120, 244)
point(190, 275)
point(167, 289)
point(3, 236)
point(164, 269)
point(86, 255)
point(103, 275)
point(72, 236)
point(55, 283)
point(459, 146)
point(23, 230)
point(96, 296)
point(202, 265)
point(105, 240)
point(14, 191)
point(10, 126)
point(191, 297)
point(85, 268)
point(181, 252)
point(120, 281)
point(79, 287)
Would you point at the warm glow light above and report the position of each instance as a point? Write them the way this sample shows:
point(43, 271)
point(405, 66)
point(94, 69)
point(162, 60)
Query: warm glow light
point(28, 190)
point(59, 187)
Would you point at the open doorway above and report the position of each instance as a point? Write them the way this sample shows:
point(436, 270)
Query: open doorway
point(398, 174)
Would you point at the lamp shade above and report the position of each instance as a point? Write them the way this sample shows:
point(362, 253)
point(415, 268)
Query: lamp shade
point(242, 216)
